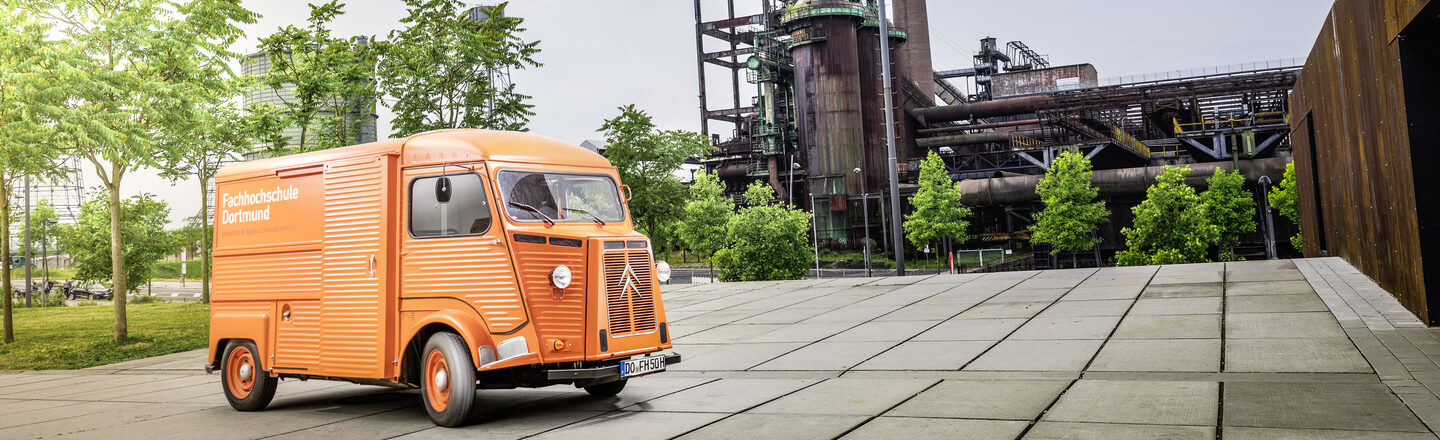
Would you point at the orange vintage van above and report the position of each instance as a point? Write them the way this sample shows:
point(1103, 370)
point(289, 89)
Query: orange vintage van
point(449, 261)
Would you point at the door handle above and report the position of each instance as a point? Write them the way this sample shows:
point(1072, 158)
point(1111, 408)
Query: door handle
point(372, 265)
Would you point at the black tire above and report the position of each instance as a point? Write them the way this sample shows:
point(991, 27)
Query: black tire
point(451, 402)
point(256, 394)
point(607, 389)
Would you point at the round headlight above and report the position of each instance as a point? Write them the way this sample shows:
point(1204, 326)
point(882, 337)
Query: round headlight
point(560, 276)
point(662, 271)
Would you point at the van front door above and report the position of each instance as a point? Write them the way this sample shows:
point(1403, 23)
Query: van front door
point(454, 252)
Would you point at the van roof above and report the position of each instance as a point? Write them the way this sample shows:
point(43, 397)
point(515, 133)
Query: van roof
point(435, 147)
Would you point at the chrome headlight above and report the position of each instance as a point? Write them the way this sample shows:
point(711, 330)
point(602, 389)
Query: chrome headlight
point(560, 276)
point(662, 271)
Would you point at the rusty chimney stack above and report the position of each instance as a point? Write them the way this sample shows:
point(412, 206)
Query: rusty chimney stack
point(911, 15)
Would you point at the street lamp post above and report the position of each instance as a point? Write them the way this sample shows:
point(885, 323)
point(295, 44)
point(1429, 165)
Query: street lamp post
point(44, 256)
point(790, 191)
point(865, 204)
point(890, 141)
point(28, 290)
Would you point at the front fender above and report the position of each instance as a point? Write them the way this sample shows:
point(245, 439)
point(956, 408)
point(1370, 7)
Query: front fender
point(419, 313)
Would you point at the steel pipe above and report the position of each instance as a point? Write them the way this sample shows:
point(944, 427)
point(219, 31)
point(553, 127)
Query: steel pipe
point(1125, 181)
point(976, 138)
point(984, 109)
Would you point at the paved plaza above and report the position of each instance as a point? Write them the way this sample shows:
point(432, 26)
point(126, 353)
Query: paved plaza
point(1255, 350)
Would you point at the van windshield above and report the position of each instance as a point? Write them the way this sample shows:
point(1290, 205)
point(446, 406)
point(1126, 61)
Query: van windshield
point(534, 196)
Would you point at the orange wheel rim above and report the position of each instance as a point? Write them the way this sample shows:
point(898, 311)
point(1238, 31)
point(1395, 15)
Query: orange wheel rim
point(240, 359)
point(437, 386)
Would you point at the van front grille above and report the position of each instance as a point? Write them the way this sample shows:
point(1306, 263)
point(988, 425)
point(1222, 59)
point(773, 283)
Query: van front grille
point(629, 294)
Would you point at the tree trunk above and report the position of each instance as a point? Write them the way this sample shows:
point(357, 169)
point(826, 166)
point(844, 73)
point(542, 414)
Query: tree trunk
point(5, 268)
point(204, 246)
point(117, 261)
point(1074, 259)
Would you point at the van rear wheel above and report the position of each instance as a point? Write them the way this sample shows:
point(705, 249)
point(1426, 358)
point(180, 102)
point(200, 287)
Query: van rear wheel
point(448, 383)
point(247, 386)
point(607, 389)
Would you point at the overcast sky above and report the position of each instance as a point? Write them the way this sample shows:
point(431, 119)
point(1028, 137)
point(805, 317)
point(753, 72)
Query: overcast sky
point(599, 55)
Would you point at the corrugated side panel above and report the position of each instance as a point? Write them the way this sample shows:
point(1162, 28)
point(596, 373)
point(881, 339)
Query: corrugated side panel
point(353, 341)
point(461, 267)
point(295, 340)
point(562, 318)
point(261, 274)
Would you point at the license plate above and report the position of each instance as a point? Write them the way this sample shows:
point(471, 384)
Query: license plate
point(642, 366)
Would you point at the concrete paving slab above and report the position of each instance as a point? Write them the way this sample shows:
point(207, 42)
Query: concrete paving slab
point(1268, 288)
point(723, 396)
point(1169, 327)
point(1315, 355)
point(845, 396)
point(505, 425)
point(905, 428)
point(1110, 431)
point(1188, 403)
point(93, 416)
point(1022, 295)
point(728, 333)
point(1004, 310)
point(882, 331)
point(1305, 302)
point(983, 399)
point(804, 332)
point(636, 391)
point(852, 314)
point(1264, 275)
point(1094, 293)
point(971, 330)
point(1055, 355)
point(1180, 355)
point(387, 424)
point(1087, 308)
point(734, 357)
point(1064, 327)
point(1197, 290)
point(1240, 433)
point(1282, 325)
point(1364, 407)
point(754, 426)
point(928, 312)
point(1176, 306)
point(1186, 277)
point(826, 356)
point(927, 355)
point(632, 425)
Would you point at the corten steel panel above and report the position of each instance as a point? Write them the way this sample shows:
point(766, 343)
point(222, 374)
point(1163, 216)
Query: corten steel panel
point(827, 82)
point(1029, 82)
point(1356, 181)
point(358, 322)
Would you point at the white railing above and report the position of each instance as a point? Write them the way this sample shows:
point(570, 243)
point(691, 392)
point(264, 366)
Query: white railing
point(1203, 71)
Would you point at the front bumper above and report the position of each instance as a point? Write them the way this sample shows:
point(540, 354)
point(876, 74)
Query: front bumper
point(599, 374)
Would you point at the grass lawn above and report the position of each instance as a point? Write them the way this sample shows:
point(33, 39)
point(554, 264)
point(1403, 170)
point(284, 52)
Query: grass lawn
point(79, 337)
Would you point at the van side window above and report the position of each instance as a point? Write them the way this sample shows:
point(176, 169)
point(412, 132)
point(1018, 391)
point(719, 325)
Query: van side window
point(454, 206)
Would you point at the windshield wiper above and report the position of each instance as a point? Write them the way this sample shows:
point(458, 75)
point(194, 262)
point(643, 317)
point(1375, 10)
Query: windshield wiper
point(548, 221)
point(592, 216)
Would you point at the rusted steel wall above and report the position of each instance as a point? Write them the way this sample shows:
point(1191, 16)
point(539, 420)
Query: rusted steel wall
point(1030, 82)
point(1352, 149)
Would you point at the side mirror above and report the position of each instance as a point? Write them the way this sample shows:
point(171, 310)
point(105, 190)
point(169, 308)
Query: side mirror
point(625, 189)
point(442, 190)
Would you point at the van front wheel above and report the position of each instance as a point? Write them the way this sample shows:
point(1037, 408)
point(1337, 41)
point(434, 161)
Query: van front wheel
point(248, 387)
point(448, 384)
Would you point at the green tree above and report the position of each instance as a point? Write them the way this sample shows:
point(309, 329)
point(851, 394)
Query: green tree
point(224, 132)
point(41, 231)
point(1071, 211)
point(32, 97)
point(1229, 209)
point(146, 71)
point(938, 213)
point(1170, 225)
point(765, 241)
point(702, 227)
point(1283, 198)
point(142, 230)
point(647, 159)
point(441, 70)
point(332, 80)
